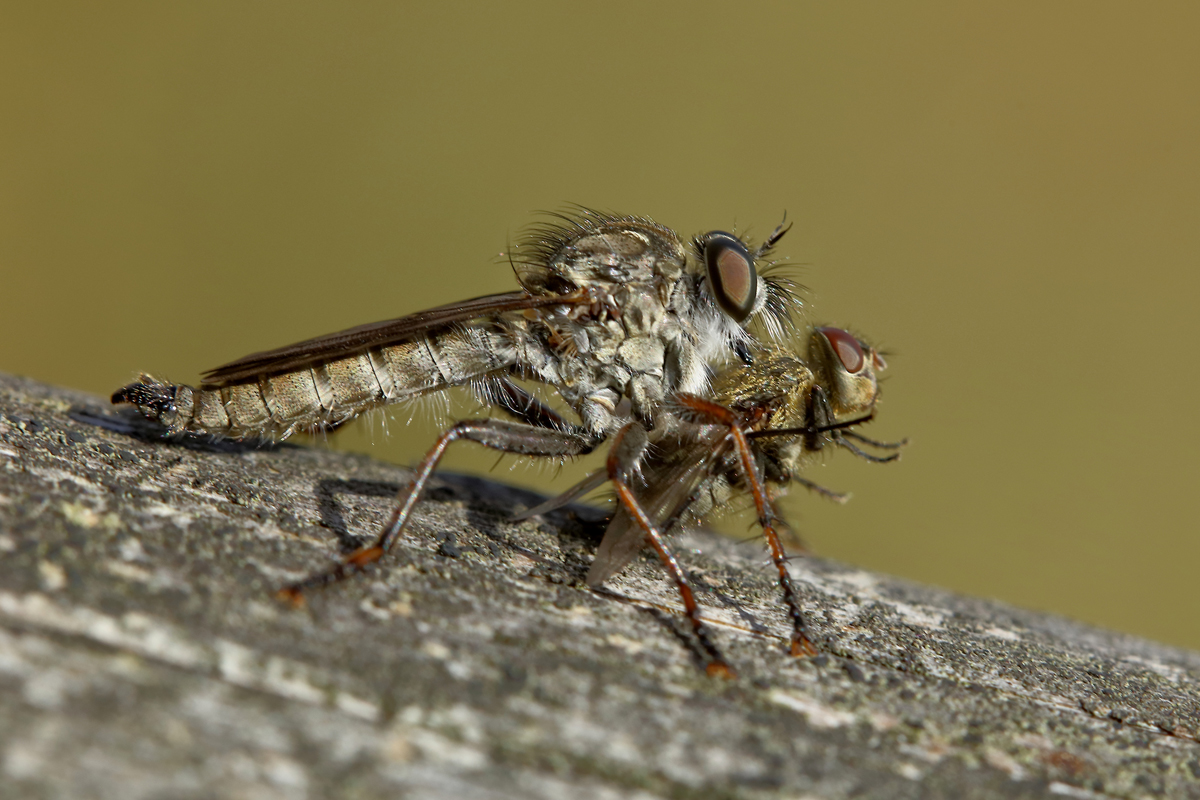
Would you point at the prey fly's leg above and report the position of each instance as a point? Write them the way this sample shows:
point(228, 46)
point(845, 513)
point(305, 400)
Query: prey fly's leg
point(839, 438)
point(801, 644)
point(627, 447)
point(509, 437)
point(838, 433)
point(875, 442)
point(837, 497)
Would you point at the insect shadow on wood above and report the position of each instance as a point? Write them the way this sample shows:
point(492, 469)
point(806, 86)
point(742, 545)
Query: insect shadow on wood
point(678, 628)
point(128, 422)
point(485, 507)
point(327, 492)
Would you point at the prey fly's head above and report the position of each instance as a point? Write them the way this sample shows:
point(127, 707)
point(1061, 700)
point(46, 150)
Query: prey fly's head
point(794, 406)
point(847, 372)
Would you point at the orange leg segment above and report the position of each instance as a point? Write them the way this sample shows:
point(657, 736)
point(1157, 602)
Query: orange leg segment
point(510, 437)
point(801, 645)
point(717, 666)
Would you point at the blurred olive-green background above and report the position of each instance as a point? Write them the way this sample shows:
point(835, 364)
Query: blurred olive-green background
point(1006, 196)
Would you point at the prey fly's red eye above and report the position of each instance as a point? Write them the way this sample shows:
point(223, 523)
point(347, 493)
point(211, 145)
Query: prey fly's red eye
point(731, 274)
point(848, 350)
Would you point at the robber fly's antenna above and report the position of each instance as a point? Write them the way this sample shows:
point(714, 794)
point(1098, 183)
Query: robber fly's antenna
point(777, 234)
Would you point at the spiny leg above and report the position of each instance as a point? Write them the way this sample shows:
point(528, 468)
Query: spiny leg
point(875, 442)
point(822, 418)
point(837, 497)
point(788, 535)
point(626, 446)
point(510, 437)
point(839, 438)
point(801, 645)
point(838, 432)
point(524, 407)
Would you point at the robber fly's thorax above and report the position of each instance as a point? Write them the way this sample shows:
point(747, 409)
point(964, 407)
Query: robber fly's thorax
point(636, 251)
point(659, 312)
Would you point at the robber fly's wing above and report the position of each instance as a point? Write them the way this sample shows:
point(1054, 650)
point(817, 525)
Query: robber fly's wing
point(354, 340)
point(593, 481)
point(670, 488)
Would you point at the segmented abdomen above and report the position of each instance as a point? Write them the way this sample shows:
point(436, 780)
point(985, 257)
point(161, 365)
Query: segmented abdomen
point(324, 395)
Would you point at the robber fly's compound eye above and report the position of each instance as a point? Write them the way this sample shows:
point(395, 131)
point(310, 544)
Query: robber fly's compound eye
point(731, 274)
point(848, 349)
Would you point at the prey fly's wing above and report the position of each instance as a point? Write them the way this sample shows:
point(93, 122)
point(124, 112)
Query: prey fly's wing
point(674, 473)
point(355, 340)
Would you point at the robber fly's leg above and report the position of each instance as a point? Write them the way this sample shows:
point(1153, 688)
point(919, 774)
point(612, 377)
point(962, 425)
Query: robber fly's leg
point(801, 644)
point(520, 404)
point(627, 446)
point(875, 442)
point(510, 437)
point(788, 534)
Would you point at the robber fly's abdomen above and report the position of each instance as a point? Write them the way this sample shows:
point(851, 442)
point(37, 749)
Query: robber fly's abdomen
point(324, 395)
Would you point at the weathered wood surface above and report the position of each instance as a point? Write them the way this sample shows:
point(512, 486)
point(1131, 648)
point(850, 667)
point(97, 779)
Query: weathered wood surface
point(143, 656)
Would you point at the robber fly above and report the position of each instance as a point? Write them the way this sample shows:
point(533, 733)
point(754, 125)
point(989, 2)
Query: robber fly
point(615, 313)
point(751, 433)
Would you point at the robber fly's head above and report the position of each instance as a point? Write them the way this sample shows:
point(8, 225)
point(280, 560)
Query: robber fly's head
point(734, 281)
point(846, 371)
point(732, 277)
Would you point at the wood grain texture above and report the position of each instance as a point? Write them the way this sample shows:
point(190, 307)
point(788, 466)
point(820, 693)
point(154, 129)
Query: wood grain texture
point(142, 654)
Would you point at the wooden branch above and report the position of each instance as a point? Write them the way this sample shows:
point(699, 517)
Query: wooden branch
point(142, 653)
